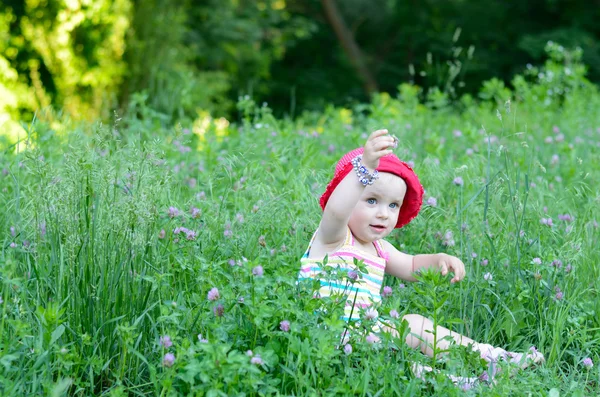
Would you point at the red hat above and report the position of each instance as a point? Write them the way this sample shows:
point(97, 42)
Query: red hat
point(388, 163)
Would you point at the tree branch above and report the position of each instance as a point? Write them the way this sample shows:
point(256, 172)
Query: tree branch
point(349, 45)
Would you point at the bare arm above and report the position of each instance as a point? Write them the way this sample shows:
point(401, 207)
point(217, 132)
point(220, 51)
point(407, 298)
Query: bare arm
point(403, 266)
point(336, 214)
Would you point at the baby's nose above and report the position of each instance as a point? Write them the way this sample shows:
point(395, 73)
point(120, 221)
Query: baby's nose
point(382, 213)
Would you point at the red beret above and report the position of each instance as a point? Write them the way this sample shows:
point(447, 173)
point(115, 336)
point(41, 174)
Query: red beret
point(388, 163)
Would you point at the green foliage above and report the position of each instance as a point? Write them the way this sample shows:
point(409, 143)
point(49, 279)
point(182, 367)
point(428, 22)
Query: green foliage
point(115, 236)
point(72, 52)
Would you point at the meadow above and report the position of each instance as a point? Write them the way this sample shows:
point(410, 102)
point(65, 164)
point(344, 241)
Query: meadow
point(140, 258)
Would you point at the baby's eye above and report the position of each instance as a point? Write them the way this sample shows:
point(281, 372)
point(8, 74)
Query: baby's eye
point(394, 205)
point(371, 201)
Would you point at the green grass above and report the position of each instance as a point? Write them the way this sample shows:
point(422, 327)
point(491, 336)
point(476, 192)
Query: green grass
point(88, 285)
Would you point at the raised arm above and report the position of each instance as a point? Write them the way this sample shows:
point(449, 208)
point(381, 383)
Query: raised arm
point(336, 214)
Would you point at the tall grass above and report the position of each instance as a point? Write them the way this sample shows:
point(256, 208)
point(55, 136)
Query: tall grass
point(97, 268)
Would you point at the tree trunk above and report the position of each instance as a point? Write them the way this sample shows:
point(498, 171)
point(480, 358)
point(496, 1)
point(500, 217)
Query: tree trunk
point(351, 49)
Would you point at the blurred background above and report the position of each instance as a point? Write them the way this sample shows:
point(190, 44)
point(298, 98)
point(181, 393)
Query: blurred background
point(180, 58)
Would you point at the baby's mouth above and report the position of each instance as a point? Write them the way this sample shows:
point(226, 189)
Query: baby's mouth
point(378, 227)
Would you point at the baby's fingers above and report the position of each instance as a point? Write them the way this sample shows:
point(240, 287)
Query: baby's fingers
point(376, 134)
point(383, 143)
point(443, 268)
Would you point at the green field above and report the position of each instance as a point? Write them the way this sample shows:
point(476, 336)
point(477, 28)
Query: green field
point(114, 236)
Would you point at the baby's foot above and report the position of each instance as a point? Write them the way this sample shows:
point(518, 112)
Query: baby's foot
point(465, 383)
point(493, 355)
point(524, 360)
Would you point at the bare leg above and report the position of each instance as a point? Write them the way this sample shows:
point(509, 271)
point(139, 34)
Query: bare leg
point(421, 335)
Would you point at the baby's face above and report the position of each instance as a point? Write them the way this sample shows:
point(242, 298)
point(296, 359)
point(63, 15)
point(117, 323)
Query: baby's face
point(377, 210)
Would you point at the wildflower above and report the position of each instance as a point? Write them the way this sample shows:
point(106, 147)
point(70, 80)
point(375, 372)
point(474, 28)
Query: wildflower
point(213, 294)
point(227, 233)
point(201, 195)
point(469, 152)
point(219, 310)
point(42, 228)
point(394, 313)
point(484, 377)
point(474, 255)
point(261, 241)
point(568, 268)
point(457, 133)
point(458, 181)
point(372, 338)
point(488, 276)
point(568, 229)
point(165, 341)
point(555, 159)
point(352, 275)
point(195, 212)
point(448, 239)
point(371, 314)
point(256, 360)
point(190, 235)
point(258, 271)
point(13, 231)
point(168, 360)
point(387, 291)
point(559, 293)
point(490, 139)
point(432, 201)
point(162, 234)
point(201, 339)
point(401, 286)
point(588, 363)
point(249, 353)
point(565, 217)
point(347, 348)
point(546, 221)
point(255, 208)
point(241, 299)
point(284, 326)
point(13, 245)
point(484, 262)
point(556, 263)
point(411, 163)
point(231, 262)
point(239, 217)
point(536, 261)
point(173, 212)
point(548, 139)
point(273, 251)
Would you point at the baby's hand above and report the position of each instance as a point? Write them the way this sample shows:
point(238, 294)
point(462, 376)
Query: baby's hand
point(376, 147)
point(449, 263)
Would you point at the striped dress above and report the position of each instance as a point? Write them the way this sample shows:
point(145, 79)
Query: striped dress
point(364, 292)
